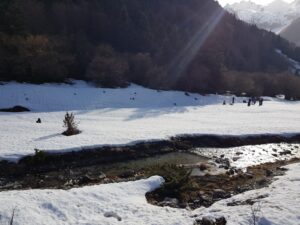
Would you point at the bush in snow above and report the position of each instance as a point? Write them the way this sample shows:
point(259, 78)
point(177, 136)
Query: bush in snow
point(70, 124)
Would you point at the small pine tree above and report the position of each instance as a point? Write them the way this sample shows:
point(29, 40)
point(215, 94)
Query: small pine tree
point(71, 125)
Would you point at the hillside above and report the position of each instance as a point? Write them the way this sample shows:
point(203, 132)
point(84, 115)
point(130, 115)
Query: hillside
point(183, 45)
point(292, 32)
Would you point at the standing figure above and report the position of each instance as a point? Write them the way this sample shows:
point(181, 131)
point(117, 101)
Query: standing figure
point(261, 101)
point(233, 100)
point(249, 102)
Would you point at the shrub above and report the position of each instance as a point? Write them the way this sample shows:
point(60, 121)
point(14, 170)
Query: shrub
point(71, 125)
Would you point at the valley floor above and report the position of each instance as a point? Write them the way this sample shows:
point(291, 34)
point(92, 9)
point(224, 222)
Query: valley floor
point(125, 116)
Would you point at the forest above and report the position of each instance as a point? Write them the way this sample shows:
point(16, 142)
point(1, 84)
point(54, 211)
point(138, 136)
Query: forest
point(189, 45)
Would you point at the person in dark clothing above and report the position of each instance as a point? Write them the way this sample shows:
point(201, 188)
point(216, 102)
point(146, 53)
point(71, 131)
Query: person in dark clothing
point(249, 102)
point(261, 101)
point(233, 100)
point(224, 102)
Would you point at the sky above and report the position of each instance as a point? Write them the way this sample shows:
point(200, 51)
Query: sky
point(262, 2)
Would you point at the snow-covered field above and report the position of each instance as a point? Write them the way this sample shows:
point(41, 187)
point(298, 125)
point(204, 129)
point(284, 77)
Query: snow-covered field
point(123, 116)
point(126, 203)
point(112, 116)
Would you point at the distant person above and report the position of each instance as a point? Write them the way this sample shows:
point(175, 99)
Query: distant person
point(39, 120)
point(249, 102)
point(224, 102)
point(261, 101)
point(233, 100)
point(254, 100)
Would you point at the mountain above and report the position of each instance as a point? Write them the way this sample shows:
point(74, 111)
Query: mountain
point(273, 17)
point(292, 32)
point(163, 44)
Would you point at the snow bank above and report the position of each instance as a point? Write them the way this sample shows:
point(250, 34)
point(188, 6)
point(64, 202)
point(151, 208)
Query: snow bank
point(121, 203)
point(125, 203)
point(280, 205)
point(111, 117)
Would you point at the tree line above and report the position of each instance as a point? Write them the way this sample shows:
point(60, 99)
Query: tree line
point(167, 44)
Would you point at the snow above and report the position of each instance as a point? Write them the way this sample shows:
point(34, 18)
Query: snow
point(280, 205)
point(245, 156)
point(274, 17)
point(109, 117)
point(93, 205)
point(125, 203)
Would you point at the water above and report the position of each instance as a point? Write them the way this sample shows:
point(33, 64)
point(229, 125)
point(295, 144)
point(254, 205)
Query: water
point(177, 158)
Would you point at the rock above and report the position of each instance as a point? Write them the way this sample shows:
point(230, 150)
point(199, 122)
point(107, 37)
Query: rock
point(230, 172)
point(85, 179)
point(102, 176)
point(275, 155)
point(269, 172)
point(239, 153)
point(211, 221)
point(220, 194)
point(205, 221)
point(203, 166)
point(221, 221)
point(235, 158)
point(286, 152)
point(127, 174)
point(223, 161)
point(262, 182)
point(248, 175)
point(171, 202)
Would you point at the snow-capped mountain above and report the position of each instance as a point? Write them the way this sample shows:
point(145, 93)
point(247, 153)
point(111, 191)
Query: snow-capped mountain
point(274, 17)
point(292, 32)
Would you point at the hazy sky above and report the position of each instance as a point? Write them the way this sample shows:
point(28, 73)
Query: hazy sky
point(262, 2)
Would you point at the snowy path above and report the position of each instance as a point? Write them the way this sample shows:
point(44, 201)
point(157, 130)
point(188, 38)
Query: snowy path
point(108, 116)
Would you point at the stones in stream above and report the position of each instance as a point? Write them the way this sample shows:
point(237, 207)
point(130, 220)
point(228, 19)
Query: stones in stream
point(211, 221)
point(220, 194)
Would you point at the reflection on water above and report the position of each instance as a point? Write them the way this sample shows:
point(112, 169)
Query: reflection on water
point(170, 158)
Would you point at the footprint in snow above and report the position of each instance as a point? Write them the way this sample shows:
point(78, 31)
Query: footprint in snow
point(113, 214)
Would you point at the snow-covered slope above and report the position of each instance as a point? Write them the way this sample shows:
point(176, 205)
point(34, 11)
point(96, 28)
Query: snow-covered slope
point(125, 203)
point(112, 117)
point(274, 17)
